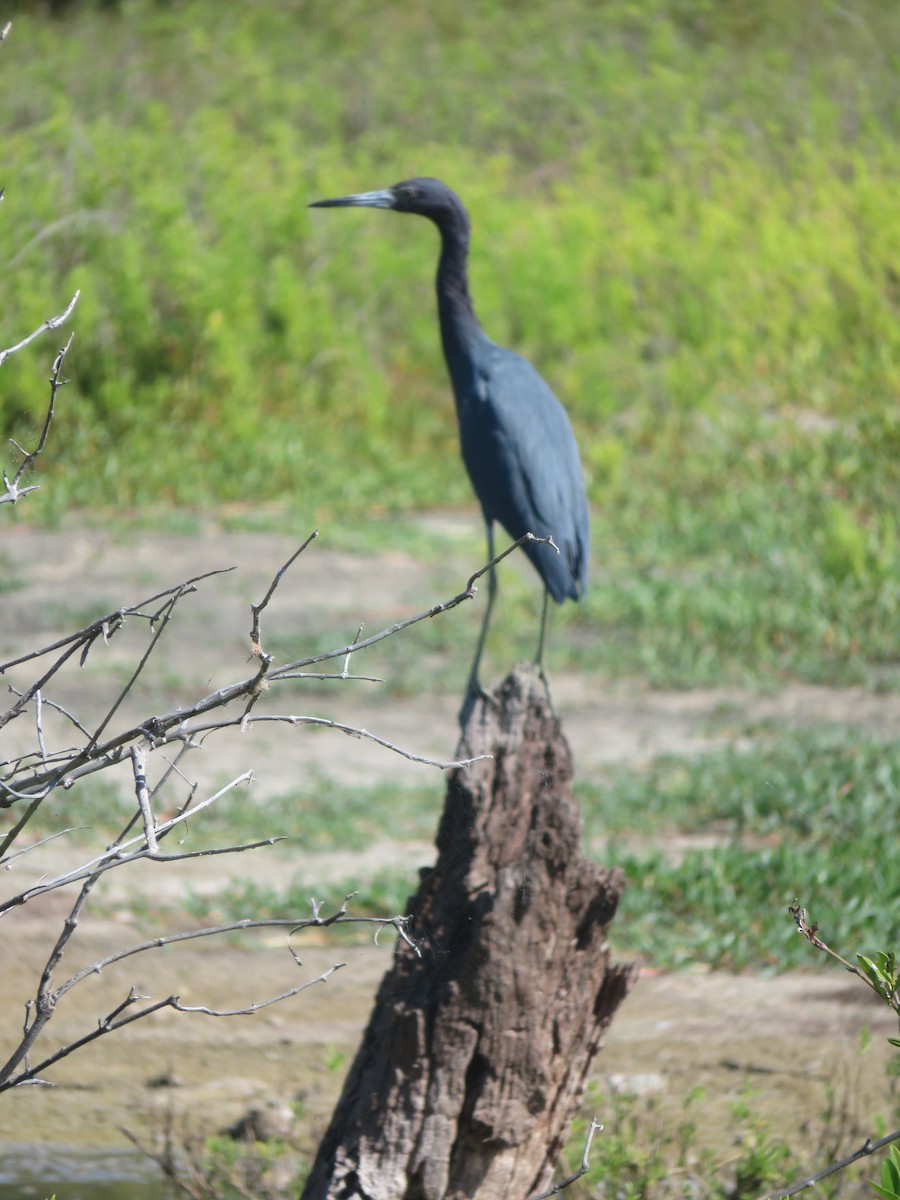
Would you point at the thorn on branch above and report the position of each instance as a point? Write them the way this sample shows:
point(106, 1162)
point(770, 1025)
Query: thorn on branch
point(105, 1023)
point(256, 609)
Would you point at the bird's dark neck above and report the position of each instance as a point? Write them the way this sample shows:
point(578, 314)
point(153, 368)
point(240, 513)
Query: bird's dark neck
point(459, 325)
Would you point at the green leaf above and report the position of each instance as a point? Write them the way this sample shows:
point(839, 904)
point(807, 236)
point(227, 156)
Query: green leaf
point(889, 1188)
point(884, 1193)
point(875, 973)
point(887, 968)
point(872, 969)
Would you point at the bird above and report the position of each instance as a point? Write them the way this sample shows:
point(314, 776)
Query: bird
point(516, 439)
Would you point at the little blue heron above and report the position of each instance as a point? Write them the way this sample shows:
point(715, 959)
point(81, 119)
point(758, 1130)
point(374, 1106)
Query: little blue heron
point(517, 442)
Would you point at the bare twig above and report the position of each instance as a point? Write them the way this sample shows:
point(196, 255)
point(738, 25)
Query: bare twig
point(23, 820)
point(29, 693)
point(47, 1000)
point(160, 620)
point(256, 609)
point(868, 1147)
point(82, 640)
point(142, 791)
point(294, 924)
point(63, 712)
point(326, 723)
point(811, 933)
point(14, 492)
point(107, 626)
point(595, 1127)
point(39, 1012)
point(116, 855)
point(51, 837)
point(355, 646)
point(250, 1009)
point(50, 323)
point(174, 726)
point(39, 725)
point(323, 676)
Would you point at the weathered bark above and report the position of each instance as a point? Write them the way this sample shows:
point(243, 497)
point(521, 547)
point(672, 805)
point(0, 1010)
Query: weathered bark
point(477, 1052)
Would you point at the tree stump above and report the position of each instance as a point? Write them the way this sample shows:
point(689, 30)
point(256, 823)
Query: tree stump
point(478, 1048)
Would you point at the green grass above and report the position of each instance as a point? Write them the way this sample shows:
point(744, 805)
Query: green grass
point(649, 1150)
point(384, 894)
point(683, 213)
point(324, 816)
point(812, 816)
point(652, 1149)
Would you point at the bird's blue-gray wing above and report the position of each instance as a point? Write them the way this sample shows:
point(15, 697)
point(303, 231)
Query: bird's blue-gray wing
point(521, 455)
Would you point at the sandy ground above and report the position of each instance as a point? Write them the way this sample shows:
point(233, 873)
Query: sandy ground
point(790, 1038)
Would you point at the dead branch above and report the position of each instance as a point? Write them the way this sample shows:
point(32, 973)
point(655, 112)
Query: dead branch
point(14, 493)
point(50, 323)
point(116, 856)
point(35, 784)
point(104, 628)
point(45, 1004)
point(142, 791)
point(400, 925)
point(326, 723)
point(51, 837)
point(257, 609)
point(468, 593)
point(30, 777)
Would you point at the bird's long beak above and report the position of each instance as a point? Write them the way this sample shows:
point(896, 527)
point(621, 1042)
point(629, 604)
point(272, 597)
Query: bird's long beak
point(384, 199)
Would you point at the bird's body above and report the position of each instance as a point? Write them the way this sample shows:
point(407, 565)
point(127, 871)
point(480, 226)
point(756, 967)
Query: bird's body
point(517, 442)
point(508, 420)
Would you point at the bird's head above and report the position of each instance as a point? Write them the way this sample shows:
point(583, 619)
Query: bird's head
point(427, 197)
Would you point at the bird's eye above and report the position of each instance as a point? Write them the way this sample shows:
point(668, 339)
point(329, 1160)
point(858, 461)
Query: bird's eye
point(408, 192)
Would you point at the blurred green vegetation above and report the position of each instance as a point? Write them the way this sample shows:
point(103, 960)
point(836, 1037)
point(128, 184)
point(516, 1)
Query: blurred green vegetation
point(684, 212)
point(721, 844)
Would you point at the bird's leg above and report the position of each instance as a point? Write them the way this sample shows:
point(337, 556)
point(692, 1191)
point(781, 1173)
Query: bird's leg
point(474, 690)
point(539, 657)
point(474, 687)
